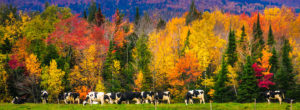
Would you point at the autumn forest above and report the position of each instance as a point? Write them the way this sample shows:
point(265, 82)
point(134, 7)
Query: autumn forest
point(232, 57)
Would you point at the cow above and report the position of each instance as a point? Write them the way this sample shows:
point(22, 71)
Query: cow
point(18, 100)
point(163, 96)
point(44, 96)
point(129, 96)
point(274, 95)
point(112, 97)
point(194, 94)
point(71, 97)
point(92, 97)
point(147, 96)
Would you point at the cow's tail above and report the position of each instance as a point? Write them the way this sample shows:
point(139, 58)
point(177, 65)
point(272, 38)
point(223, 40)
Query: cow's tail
point(283, 95)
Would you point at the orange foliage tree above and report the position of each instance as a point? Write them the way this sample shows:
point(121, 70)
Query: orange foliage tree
point(185, 71)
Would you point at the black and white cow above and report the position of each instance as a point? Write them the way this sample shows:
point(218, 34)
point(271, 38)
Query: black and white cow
point(162, 96)
point(18, 100)
point(44, 96)
point(274, 95)
point(130, 96)
point(71, 97)
point(94, 97)
point(194, 94)
point(112, 97)
point(147, 96)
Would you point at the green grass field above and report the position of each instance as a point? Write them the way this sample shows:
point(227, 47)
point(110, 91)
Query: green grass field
point(215, 106)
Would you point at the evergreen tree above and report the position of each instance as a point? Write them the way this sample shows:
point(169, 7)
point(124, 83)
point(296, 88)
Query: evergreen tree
point(92, 11)
point(248, 89)
point(186, 43)
point(274, 61)
point(243, 39)
point(231, 50)
point(243, 35)
point(193, 13)
point(271, 40)
point(107, 70)
point(99, 18)
point(222, 91)
point(161, 24)
point(258, 41)
point(144, 56)
point(46, 4)
point(285, 77)
point(6, 47)
point(84, 14)
point(137, 16)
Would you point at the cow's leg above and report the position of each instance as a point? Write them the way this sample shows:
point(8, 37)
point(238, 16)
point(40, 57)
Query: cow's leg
point(268, 101)
point(127, 101)
point(65, 101)
point(78, 100)
point(280, 100)
point(203, 100)
point(186, 101)
point(169, 100)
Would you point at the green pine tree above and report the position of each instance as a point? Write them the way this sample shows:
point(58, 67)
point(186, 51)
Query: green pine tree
point(258, 41)
point(6, 47)
point(186, 44)
point(193, 13)
point(137, 16)
point(274, 61)
point(285, 77)
point(144, 56)
point(222, 91)
point(107, 70)
point(92, 12)
point(84, 14)
point(231, 50)
point(248, 89)
point(271, 40)
point(243, 35)
point(161, 24)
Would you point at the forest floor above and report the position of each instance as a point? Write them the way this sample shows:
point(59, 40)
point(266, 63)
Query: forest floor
point(178, 106)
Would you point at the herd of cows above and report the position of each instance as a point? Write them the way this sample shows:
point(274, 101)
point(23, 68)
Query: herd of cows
point(137, 97)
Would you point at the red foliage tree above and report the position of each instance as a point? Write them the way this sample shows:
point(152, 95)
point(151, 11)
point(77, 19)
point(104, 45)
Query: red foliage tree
point(264, 80)
point(78, 33)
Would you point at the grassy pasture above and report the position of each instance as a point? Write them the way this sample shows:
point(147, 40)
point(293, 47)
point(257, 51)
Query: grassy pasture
point(178, 106)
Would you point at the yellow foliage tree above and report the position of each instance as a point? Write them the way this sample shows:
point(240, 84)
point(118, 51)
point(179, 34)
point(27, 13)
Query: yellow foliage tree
point(3, 80)
point(88, 72)
point(138, 81)
point(100, 86)
point(14, 27)
point(264, 61)
point(165, 46)
point(52, 80)
point(33, 67)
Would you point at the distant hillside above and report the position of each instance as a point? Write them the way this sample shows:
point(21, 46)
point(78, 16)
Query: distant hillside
point(162, 8)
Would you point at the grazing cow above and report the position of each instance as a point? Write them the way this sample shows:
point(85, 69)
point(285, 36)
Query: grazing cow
point(112, 97)
point(92, 97)
point(147, 96)
point(129, 96)
point(163, 96)
point(194, 94)
point(71, 97)
point(44, 96)
point(18, 100)
point(274, 95)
